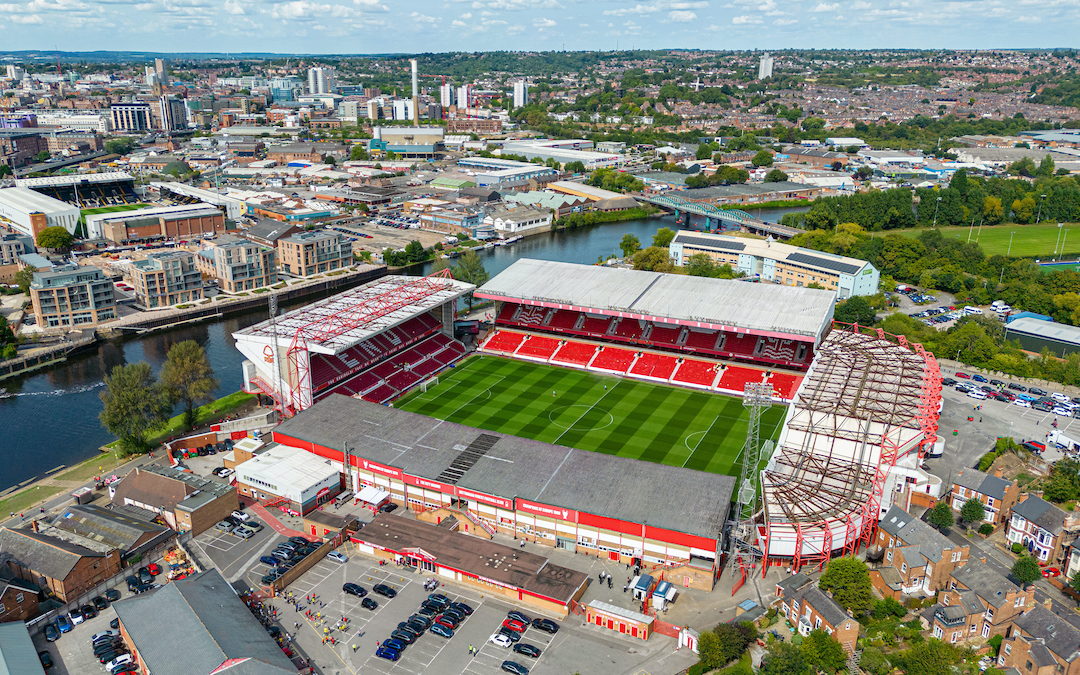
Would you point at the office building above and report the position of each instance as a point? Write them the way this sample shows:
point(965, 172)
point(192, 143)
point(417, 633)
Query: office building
point(172, 114)
point(130, 116)
point(446, 95)
point(15, 73)
point(166, 279)
point(313, 252)
point(70, 295)
point(521, 93)
point(29, 212)
point(779, 263)
point(765, 66)
point(321, 80)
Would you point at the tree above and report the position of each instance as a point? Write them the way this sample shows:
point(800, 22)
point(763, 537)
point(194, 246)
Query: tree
point(55, 238)
point(776, 176)
point(23, 278)
point(941, 515)
point(822, 652)
point(703, 151)
point(176, 168)
point(932, 657)
point(359, 153)
point(972, 511)
point(849, 580)
point(134, 405)
point(574, 167)
point(470, 269)
point(187, 378)
point(629, 245)
point(45, 154)
point(663, 237)
point(784, 658)
point(874, 662)
point(120, 146)
point(654, 259)
point(1026, 570)
point(711, 650)
point(1074, 581)
point(5, 170)
point(329, 160)
point(855, 309)
point(762, 158)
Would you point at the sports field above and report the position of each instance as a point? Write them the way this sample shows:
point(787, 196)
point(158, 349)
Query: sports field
point(652, 422)
point(110, 209)
point(1028, 240)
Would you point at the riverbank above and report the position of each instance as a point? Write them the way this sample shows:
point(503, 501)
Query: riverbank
point(778, 204)
point(205, 415)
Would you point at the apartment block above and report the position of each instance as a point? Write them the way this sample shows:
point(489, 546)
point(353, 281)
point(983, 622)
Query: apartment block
point(924, 558)
point(310, 253)
point(166, 279)
point(997, 495)
point(71, 295)
point(238, 265)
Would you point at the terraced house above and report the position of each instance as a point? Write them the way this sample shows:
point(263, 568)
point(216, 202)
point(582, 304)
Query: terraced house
point(1041, 643)
point(989, 600)
point(997, 495)
point(1039, 526)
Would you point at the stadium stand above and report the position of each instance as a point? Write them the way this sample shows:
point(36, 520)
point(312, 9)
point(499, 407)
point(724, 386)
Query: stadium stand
point(702, 340)
point(695, 373)
point(613, 360)
point(562, 319)
point(654, 366)
point(538, 347)
point(664, 335)
point(785, 384)
point(735, 379)
point(596, 325)
point(575, 353)
point(401, 370)
point(629, 329)
point(506, 341)
point(329, 369)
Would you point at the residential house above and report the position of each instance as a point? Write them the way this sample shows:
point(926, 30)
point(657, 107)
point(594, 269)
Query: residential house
point(18, 597)
point(809, 608)
point(1072, 565)
point(997, 494)
point(1041, 643)
point(210, 630)
point(66, 569)
point(166, 279)
point(1039, 526)
point(957, 621)
point(923, 557)
point(187, 502)
point(1000, 599)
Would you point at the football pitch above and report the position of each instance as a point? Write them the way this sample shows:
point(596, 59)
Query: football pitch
point(110, 209)
point(584, 410)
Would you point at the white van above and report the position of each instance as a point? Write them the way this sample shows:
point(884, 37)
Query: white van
point(972, 310)
point(977, 394)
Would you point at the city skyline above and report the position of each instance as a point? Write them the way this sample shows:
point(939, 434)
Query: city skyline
point(347, 26)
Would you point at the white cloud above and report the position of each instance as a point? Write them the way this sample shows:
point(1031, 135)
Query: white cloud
point(826, 7)
point(785, 22)
point(424, 18)
point(636, 9)
point(544, 23)
point(745, 19)
point(681, 16)
point(458, 24)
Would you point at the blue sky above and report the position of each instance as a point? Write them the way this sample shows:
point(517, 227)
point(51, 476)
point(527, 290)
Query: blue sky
point(380, 26)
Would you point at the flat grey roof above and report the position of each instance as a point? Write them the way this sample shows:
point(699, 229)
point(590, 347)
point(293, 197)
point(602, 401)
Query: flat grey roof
point(679, 298)
point(1048, 330)
point(17, 653)
point(669, 497)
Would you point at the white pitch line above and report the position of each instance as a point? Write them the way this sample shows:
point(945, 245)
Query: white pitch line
point(490, 387)
point(587, 411)
point(692, 452)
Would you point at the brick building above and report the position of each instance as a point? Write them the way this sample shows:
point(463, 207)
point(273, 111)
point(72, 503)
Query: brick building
point(308, 253)
point(1041, 643)
point(18, 598)
point(809, 608)
point(473, 126)
point(187, 502)
point(72, 295)
point(991, 602)
point(307, 152)
point(924, 558)
point(187, 221)
point(1039, 526)
point(19, 146)
point(67, 570)
point(997, 495)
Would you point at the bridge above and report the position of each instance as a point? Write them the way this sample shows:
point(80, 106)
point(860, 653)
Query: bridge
point(715, 216)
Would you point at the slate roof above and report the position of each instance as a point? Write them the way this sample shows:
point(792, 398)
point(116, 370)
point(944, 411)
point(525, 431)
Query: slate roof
point(164, 486)
point(208, 624)
point(118, 530)
point(1061, 637)
point(793, 583)
point(1042, 513)
point(828, 608)
point(992, 587)
point(45, 555)
point(991, 486)
point(914, 532)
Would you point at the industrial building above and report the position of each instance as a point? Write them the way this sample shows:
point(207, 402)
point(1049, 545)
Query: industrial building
point(231, 206)
point(408, 142)
point(289, 477)
point(779, 263)
point(1034, 335)
point(513, 176)
point(70, 295)
point(186, 221)
point(28, 212)
point(165, 279)
point(562, 151)
point(611, 507)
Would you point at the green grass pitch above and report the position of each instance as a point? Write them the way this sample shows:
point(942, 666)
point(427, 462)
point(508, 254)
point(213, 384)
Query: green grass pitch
point(652, 422)
point(110, 209)
point(1027, 240)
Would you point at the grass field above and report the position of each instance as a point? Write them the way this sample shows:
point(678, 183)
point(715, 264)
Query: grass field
point(652, 422)
point(108, 209)
point(1029, 240)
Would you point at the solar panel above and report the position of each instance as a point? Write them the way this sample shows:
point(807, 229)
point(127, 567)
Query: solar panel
point(825, 263)
point(709, 243)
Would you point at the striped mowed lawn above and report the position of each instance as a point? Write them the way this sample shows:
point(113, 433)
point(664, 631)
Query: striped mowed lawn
point(578, 409)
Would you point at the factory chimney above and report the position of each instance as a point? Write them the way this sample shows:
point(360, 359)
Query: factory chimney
point(415, 95)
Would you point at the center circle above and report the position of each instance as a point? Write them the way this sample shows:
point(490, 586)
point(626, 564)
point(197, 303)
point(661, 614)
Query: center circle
point(586, 417)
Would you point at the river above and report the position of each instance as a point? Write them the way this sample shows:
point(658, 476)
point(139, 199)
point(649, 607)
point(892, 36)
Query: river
point(52, 421)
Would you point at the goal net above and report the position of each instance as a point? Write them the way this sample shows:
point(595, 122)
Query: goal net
point(431, 382)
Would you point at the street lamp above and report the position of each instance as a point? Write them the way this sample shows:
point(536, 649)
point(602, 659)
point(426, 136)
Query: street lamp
point(936, 207)
point(1041, 198)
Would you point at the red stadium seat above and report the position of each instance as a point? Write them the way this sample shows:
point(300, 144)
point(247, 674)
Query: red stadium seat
point(613, 359)
point(538, 347)
point(694, 372)
point(664, 335)
point(506, 314)
point(736, 377)
point(596, 325)
point(785, 384)
point(504, 341)
point(381, 394)
point(630, 329)
point(579, 353)
point(658, 366)
point(563, 319)
point(704, 341)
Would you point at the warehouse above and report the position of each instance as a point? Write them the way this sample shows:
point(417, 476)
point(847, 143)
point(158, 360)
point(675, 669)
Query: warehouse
point(563, 151)
point(1034, 335)
point(183, 222)
point(296, 480)
point(28, 212)
point(543, 493)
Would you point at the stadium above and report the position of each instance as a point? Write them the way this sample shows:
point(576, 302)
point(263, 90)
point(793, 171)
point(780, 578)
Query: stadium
point(90, 191)
point(641, 375)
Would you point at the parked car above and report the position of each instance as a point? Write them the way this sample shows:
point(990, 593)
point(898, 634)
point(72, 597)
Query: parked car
point(514, 614)
point(462, 607)
point(514, 625)
point(112, 595)
point(1051, 572)
point(1043, 407)
point(1036, 391)
point(513, 635)
point(948, 382)
point(46, 659)
point(51, 633)
point(243, 533)
point(267, 560)
point(104, 635)
point(64, 623)
point(546, 625)
point(354, 589)
point(500, 640)
point(527, 649)
point(145, 576)
point(515, 668)
point(384, 590)
point(100, 603)
point(76, 616)
point(1062, 411)
point(338, 556)
point(225, 526)
point(368, 603)
point(442, 630)
point(120, 660)
point(406, 636)
point(385, 652)
point(964, 376)
point(395, 644)
point(422, 621)
point(1017, 387)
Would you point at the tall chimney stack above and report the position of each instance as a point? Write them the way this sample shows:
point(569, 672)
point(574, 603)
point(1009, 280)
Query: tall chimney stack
point(415, 95)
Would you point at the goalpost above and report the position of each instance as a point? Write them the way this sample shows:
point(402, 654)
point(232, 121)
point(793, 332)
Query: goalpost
point(431, 382)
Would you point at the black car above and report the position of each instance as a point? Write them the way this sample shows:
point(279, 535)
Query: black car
point(387, 508)
point(527, 650)
point(368, 603)
point(512, 635)
point(456, 613)
point(948, 382)
point(145, 576)
point(110, 655)
point(518, 616)
point(1038, 392)
point(133, 583)
point(115, 623)
point(88, 611)
point(270, 578)
point(462, 607)
point(46, 659)
point(428, 612)
point(354, 589)
point(1017, 387)
point(406, 636)
point(1041, 406)
point(515, 668)
point(299, 541)
point(546, 625)
point(233, 520)
point(997, 383)
point(51, 633)
point(439, 598)
point(106, 647)
point(112, 595)
point(100, 603)
point(420, 620)
point(384, 590)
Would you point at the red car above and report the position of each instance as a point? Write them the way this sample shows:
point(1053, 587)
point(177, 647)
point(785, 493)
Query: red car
point(514, 625)
point(1051, 572)
point(154, 569)
point(963, 376)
